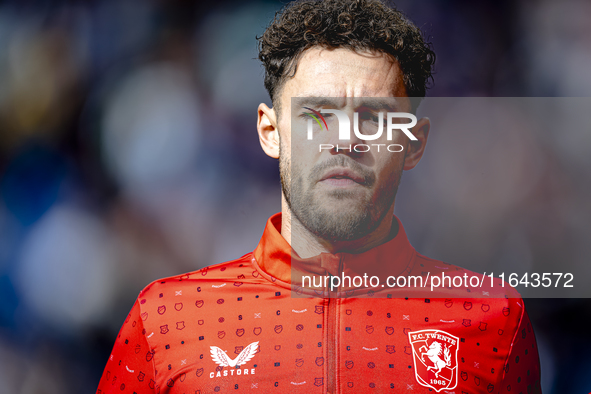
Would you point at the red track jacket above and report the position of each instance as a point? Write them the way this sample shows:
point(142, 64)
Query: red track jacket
point(236, 327)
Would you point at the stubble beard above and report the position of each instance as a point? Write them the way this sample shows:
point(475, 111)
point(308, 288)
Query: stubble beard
point(359, 219)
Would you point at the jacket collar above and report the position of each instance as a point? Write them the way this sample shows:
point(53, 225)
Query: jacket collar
point(275, 260)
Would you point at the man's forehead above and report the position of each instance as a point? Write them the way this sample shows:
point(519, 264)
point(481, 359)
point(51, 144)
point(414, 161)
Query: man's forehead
point(342, 72)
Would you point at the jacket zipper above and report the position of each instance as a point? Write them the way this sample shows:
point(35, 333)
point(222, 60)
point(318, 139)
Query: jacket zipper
point(331, 345)
point(332, 330)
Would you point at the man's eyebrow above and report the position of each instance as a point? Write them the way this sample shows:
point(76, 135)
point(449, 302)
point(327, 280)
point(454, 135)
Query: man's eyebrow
point(320, 101)
point(389, 104)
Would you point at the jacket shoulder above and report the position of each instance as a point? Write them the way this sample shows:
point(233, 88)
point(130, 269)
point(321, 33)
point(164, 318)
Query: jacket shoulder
point(474, 284)
point(226, 271)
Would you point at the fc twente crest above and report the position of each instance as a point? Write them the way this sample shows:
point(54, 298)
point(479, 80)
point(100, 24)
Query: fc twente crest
point(435, 356)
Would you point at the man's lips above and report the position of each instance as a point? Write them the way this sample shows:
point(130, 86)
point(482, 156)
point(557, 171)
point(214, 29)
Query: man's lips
point(342, 177)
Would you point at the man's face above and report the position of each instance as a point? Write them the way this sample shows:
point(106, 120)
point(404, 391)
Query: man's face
point(340, 195)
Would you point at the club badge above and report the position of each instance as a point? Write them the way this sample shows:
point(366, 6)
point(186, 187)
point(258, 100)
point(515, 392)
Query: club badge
point(435, 356)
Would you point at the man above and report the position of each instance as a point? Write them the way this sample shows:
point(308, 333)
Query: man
point(254, 324)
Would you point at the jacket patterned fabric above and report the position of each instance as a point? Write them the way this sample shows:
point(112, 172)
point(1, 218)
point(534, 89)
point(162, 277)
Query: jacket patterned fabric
point(240, 327)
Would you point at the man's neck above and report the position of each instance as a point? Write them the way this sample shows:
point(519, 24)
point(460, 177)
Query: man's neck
point(306, 244)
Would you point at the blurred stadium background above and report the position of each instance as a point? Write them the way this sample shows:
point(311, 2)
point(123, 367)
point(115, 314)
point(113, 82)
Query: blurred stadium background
point(128, 152)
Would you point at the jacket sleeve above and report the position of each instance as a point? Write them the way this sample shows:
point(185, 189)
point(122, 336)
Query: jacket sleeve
point(522, 367)
point(130, 368)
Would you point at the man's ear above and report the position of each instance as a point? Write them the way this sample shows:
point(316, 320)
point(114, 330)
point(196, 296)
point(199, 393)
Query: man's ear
point(416, 149)
point(268, 131)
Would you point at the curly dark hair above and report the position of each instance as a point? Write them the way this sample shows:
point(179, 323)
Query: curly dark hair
point(359, 25)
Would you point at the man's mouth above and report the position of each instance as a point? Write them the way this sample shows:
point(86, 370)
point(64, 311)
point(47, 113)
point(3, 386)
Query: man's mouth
point(342, 177)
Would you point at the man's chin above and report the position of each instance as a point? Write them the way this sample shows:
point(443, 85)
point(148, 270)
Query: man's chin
point(334, 223)
point(342, 213)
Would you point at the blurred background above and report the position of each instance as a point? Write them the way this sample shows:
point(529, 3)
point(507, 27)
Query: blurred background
point(128, 152)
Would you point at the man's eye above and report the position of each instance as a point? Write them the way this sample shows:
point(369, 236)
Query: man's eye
point(307, 115)
point(369, 116)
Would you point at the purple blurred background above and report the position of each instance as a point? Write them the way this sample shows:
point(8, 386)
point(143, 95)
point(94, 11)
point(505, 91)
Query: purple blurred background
point(128, 152)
